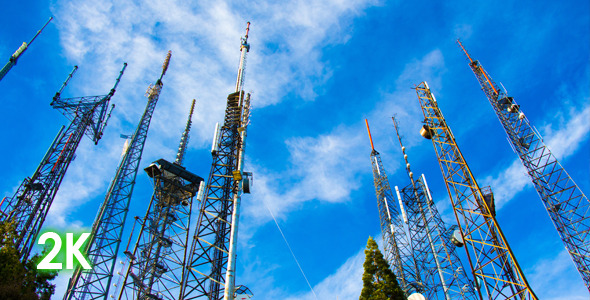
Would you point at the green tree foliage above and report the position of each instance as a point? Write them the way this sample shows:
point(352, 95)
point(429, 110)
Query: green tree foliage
point(379, 282)
point(18, 280)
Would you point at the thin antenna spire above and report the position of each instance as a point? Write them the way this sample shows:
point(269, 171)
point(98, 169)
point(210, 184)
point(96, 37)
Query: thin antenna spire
point(118, 79)
point(399, 137)
point(370, 138)
point(165, 64)
point(185, 137)
point(244, 48)
point(478, 66)
point(39, 32)
point(58, 93)
point(465, 51)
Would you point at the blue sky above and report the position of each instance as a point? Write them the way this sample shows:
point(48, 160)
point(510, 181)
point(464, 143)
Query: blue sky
point(316, 71)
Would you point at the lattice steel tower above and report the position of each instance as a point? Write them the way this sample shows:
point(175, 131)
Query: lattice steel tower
point(31, 202)
point(107, 230)
point(158, 258)
point(14, 57)
point(444, 275)
point(398, 245)
point(211, 266)
point(495, 270)
point(566, 204)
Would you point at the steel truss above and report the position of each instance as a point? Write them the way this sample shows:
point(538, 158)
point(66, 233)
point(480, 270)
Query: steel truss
point(109, 223)
point(566, 204)
point(496, 272)
point(397, 243)
point(158, 259)
point(443, 273)
point(211, 265)
point(32, 201)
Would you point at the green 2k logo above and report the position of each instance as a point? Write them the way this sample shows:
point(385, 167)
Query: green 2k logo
point(72, 249)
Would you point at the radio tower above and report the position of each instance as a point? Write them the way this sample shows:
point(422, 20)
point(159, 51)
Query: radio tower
point(31, 202)
point(398, 246)
point(445, 276)
point(211, 264)
point(13, 59)
point(566, 204)
point(107, 229)
point(158, 258)
point(495, 269)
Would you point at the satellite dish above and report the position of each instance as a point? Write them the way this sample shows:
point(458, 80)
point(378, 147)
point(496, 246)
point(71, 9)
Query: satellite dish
point(416, 296)
point(457, 239)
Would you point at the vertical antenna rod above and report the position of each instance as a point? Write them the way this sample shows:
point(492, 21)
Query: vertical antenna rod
point(567, 206)
point(185, 137)
point(13, 59)
point(370, 137)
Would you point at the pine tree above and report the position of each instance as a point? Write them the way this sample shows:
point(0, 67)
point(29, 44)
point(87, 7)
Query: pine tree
point(379, 282)
point(17, 280)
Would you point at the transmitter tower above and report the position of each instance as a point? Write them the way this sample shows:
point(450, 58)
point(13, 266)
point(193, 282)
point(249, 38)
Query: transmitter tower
point(107, 230)
point(14, 57)
point(157, 262)
point(31, 202)
point(444, 275)
point(566, 204)
point(210, 272)
point(495, 270)
point(399, 250)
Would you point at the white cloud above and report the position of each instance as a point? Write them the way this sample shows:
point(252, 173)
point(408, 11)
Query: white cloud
point(324, 169)
point(204, 39)
point(552, 279)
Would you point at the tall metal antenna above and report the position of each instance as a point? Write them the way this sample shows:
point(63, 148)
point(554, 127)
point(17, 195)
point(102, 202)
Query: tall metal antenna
point(431, 241)
point(495, 270)
point(107, 230)
point(158, 260)
point(210, 270)
point(398, 246)
point(567, 206)
point(31, 202)
point(14, 57)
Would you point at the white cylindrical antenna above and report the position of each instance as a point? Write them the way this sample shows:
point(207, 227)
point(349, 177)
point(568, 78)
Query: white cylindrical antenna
point(201, 191)
point(427, 189)
point(214, 147)
point(401, 205)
